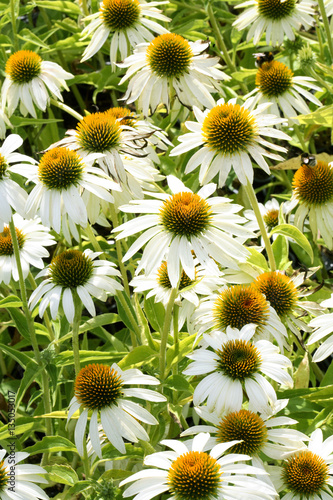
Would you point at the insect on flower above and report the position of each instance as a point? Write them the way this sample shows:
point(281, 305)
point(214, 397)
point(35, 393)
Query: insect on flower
point(308, 160)
point(262, 57)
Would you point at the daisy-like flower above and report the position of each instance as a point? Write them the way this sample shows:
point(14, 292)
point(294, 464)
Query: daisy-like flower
point(105, 135)
point(31, 81)
point(270, 214)
point(32, 237)
point(307, 474)
point(181, 222)
point(236, 365)
point(61, 177)
point(276, 18)
point(158, 285)
point(17, 480)
point(168, 63)
point(282, 292)
point(126, 21)
point(230, 135)
point(256, 434)
point(100, 390)
point(11, 194)
point(73, 272)
point(189, 473)
point(329, 7)
point(277, 84)
point(154, 136)
point(238, 305)
point(313, 193)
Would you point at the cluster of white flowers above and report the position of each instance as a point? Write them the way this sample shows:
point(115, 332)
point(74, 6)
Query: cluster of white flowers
point(192, 250)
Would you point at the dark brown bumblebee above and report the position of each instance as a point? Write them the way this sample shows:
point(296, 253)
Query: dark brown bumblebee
point(308, 160)
point(262, 57)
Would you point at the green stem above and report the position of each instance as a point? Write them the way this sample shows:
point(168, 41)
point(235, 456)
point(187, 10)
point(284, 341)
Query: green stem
point(122, 268)
point(322, 9)
point(66, 108)
point(222, 46)
point(32, 332)
point(175, 336)
point(165, 331)
point(93, 240)
point(85, 7)
point(254, 203)
point(135, 332)
point(14, 16)
point(76, 326)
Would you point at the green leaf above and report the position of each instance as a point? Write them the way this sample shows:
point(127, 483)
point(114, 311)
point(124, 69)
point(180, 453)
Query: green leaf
point(63, 474)
point(77, 488)
point(28, 36)
point(66, 358)
point(96, 322)
point(60, 5)
point(20, 321)
point(10, 301)
point(177, 383)
point(155, 313)
point(30, 374)
point(280, 249)
point(22, 121)
point(302, 374)
point(323, 397)
point(257, 259)
point(139, 355)
point(22, 424)
point(20, 357)
point(51, 444)
point(295, 234)
point(115, 474)
point(124, 314)
point(322, 116)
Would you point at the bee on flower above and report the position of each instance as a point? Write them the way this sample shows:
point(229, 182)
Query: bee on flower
point(31, 81)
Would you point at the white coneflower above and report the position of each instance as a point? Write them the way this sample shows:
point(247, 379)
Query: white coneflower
point(126, 21)
point(307, 474)
point(313, 193)
point(158, 285)
point(31, 81)
point(171, 64)
point(17, 480)
point(61, 177)
point(11, 194)
point(73, 272)
point(277, 84)
point(329, 7)
point(32, 237)
point(105, 135)
point(229, 135)
point(189, 473)
point(256, 434)
point(181, 222)
point(276, 18)
point(238, 305)
point(101, 390)
point(236, 365)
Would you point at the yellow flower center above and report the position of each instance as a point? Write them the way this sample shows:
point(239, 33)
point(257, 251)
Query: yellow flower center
point(239, 359)
point(274, 78)
point(271, 218)
point(194, 476)
point(314, 185)
point(6, 243)
point(129, 118)
point(169, 55)
point(23, 66)
point(3, 476)
point(164, 281)
point(3, 166)
point(305, 474)
point(71, 269)
point(238, 306)
point(245, 426)
point(98, 133)
point(185, 214)
point(229, 128)
point(276, 9)
point(98, 386)
point(60, 168)
point(118, 15)
point(279, 290)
